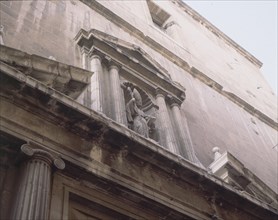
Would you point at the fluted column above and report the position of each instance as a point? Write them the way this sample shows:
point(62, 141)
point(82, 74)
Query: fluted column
point(95, 97)
point(166, 134)
point(117, 99)
point(185, 148)
point(32, 198)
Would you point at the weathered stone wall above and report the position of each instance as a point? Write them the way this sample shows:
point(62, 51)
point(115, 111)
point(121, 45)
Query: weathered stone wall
point(48, 28)
point(130, 175)
point(203, 49)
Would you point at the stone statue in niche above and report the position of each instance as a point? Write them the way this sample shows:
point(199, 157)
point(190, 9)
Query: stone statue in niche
point(136, 117)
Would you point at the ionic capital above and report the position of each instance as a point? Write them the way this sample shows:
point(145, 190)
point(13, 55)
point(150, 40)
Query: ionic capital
point(43, 155)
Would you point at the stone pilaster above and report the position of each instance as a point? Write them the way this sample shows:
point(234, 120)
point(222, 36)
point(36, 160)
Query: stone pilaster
point(117, 99)
point(84, 59)
point(32, 198)
point(166, 134)
point(96, 94)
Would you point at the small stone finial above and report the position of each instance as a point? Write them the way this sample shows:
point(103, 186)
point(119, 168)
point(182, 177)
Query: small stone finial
point(216, 153)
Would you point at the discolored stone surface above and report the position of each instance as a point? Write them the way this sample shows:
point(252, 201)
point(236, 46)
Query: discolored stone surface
point(110, 170)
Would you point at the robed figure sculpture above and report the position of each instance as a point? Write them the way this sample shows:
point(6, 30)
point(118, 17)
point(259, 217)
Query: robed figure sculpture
point(136, 118)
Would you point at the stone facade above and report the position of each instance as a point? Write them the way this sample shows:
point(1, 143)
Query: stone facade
point(110, 111)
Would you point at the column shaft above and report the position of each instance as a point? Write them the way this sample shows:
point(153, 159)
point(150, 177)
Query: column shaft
point(117, 102)
point(185, 148)
point(95, 96)
point(32, 198)
point(34, 191)
point(166, 134)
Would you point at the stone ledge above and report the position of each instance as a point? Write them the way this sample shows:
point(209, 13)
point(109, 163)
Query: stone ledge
point(62, 77)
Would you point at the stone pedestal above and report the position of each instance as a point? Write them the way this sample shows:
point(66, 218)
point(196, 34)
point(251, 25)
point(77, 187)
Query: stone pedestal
point(166, 134)
point(32, 198)
point(117, 102)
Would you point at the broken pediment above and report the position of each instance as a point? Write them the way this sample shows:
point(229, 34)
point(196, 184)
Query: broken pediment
point(136, 65)
point(64, 78)
point(231, 170)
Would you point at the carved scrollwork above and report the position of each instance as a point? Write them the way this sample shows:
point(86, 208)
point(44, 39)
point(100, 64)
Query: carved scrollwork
point(44, 155)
